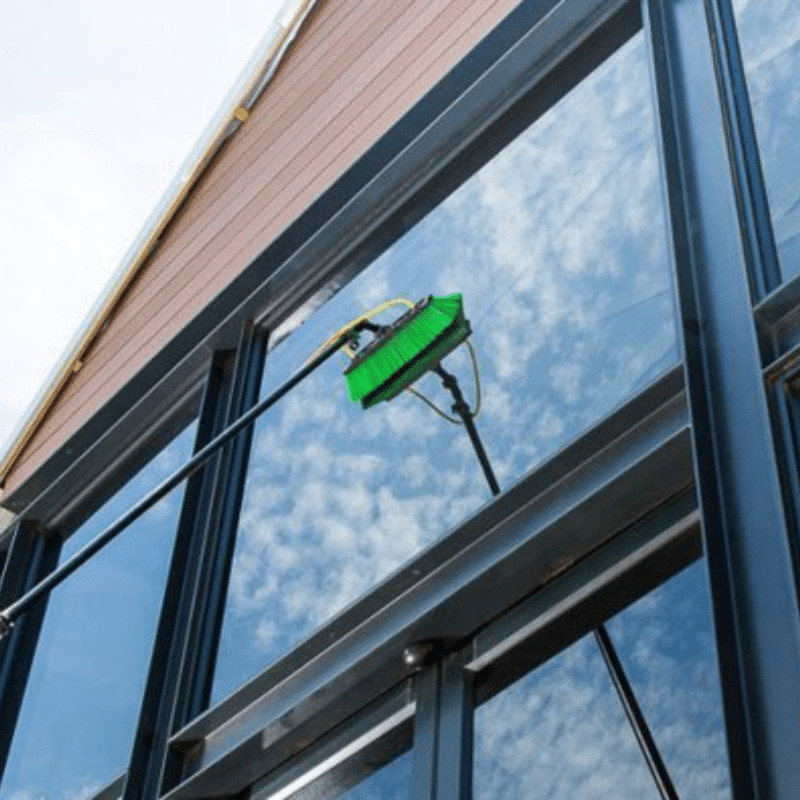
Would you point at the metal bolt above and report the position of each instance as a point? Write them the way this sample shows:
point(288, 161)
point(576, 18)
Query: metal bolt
point(420, 654)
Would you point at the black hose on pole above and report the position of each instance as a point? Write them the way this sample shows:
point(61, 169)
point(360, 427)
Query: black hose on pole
point(461, 408)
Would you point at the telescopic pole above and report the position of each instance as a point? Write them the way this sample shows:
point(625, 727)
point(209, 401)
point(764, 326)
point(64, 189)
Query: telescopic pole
point(10, 614)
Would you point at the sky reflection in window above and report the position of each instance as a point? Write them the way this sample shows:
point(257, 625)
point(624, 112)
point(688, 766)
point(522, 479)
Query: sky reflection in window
point(560, 732)
point(769, 35)
point(558, 246)
point(82, 703)
point(667, 645)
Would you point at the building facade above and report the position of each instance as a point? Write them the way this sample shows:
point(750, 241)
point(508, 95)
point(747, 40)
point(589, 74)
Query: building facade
point(330, 602)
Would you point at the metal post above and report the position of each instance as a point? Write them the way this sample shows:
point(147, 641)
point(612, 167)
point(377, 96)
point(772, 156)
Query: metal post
point(426, 732)
point(748, 554)
point(455, 736)
point(32, 555)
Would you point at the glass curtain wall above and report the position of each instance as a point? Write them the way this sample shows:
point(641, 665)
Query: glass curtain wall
point(666, 641)
point(558, 247)
point(84, 694)
point(559, 733)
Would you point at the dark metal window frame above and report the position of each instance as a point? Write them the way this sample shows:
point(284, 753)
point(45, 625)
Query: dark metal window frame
point(630, 475)
point(33, 550)
point(32, 554)
point(578, 538)
point(720, 234)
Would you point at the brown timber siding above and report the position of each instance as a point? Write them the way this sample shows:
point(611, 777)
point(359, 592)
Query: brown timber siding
point(354, 70)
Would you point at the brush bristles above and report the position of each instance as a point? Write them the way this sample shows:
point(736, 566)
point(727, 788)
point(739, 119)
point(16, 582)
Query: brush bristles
point(410, 347)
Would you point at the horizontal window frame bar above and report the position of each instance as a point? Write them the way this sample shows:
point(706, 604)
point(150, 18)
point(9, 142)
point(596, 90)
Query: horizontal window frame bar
point(626, 568)
point(517, 544)
point(385, 727)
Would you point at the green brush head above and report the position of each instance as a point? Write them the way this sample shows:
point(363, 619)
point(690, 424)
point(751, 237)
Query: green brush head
point(401, 353)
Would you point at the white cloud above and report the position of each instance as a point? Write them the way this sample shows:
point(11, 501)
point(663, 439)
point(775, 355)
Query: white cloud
point(562, 729)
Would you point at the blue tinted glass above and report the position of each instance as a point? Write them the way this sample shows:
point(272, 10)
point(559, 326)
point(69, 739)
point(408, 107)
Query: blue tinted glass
point(561, 734)
point(769, 33)
point(667, 645)
point(80, 709)
point(562, 730)
point(558, 247)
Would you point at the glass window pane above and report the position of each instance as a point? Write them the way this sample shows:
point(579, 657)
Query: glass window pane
point(769, 33)
point(562, 730)
point(667, 645)
point(558, 247)
point(80, 709)
point(559, 733)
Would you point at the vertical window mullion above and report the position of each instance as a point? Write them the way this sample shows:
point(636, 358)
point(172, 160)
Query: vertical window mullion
point(33, 555)
point(456, 713)
point(426, 733)
point(224, 518)
point(443, 740)
point(216, 522)
point(744, 521)
point(163, 682)
point(199, 517)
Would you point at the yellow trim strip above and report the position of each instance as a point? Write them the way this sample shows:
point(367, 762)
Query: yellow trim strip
point(234, 111)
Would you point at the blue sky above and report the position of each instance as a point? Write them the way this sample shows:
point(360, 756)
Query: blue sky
point(562, 730)
point(100, 103)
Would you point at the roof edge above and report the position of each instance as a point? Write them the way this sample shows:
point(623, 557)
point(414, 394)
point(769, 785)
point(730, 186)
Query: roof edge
point(232, 113)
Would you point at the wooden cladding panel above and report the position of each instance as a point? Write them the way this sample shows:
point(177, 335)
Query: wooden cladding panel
point(355, 69)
